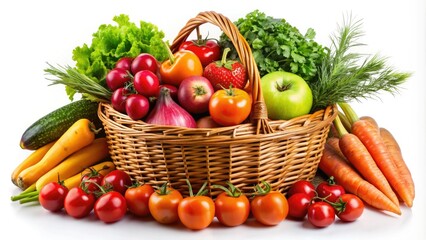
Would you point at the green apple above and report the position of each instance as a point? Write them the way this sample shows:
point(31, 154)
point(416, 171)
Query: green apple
point(286, 95)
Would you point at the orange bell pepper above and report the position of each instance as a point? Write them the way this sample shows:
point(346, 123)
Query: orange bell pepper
point(180, 65)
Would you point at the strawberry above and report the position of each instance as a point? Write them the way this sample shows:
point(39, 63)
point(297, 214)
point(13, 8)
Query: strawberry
point(223, 73)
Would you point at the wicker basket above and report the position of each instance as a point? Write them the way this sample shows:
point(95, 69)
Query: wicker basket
point(279, 152)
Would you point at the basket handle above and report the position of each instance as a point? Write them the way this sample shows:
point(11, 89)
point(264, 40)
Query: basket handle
point(259, 115)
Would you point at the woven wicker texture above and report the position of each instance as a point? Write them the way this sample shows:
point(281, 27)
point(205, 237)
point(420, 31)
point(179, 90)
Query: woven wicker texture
point(279, 152)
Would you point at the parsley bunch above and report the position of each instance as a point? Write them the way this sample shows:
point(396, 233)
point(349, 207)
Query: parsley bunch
point(278, 46)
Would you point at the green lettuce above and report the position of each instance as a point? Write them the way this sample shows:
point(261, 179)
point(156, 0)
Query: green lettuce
point(111, 42)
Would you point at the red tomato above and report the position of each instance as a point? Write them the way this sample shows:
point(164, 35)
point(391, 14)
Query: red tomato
point(119, 181)
point(124, 63)
point(330, 190)
point(269, 207)
point(110, 207)
point(207, 50)
point(137, 199)
point(144, 61)
point(232, 207)
point(118, 99)
point(350, 208)
point(302, 186)
point(146, 83)
point(79, 203)
point(196, 212)
point(230, 107)
point(137, 106)
point(117, 78)
point(92, 180)
point(321, 214)
point(163, 205)
point(52, 196)
point(298, 205)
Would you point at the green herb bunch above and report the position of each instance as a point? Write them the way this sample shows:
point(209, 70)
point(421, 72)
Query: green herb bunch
point(347, 75)
point(276, 45)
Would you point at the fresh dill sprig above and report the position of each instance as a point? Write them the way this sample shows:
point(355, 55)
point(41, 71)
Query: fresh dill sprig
point(345, 75)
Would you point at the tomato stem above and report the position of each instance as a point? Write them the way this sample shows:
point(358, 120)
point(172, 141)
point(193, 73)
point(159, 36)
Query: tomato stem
point(231, 191)
point(163, 190)
point(203, 191)
point(259, 190)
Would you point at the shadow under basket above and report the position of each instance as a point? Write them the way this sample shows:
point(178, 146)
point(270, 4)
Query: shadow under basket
point(279, 152)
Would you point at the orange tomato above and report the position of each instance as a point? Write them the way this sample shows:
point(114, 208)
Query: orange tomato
point(196, 212)
point(269, 207)
point(230, 106)
point(163, 205)
point(232, 207)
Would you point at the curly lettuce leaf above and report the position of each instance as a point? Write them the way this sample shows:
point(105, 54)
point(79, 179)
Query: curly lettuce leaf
point(111, 42)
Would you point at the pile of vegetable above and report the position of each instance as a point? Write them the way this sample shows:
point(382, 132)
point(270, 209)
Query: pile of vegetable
point(112, 42)
point(204, 84)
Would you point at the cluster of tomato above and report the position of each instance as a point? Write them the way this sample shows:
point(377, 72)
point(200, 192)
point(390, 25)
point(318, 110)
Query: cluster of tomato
point(105, 195)
point(197, 80)
point(111, 196)
point(323, 203)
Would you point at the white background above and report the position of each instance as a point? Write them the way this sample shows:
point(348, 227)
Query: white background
point(36, 32)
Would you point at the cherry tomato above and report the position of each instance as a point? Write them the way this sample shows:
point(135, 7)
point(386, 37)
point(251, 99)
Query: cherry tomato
point(230, 107)
point(92, 181)
point(144, 61)
point(163, 204)
point(232, 207)
point(78, 203)
point(298, 205)
point(110, 207)
point(330, 190)
point(124, 63)
point(118, 179)
point(137, 106)
point(146, 83)
point(321, 214)
point(349, 207)
point(52, 196)
point(302, 186)
point(118, 99)
point(269, 207)
point(207, 50)
point(117, 78)
point(137, 199)
point(196, 212)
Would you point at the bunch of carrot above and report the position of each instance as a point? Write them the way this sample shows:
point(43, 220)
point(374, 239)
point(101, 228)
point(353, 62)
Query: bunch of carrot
point(366, 160)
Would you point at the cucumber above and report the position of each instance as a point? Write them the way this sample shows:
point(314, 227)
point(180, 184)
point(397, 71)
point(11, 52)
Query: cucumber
point(51, 126)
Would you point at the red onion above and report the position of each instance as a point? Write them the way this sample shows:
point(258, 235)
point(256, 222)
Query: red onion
point(168, 112)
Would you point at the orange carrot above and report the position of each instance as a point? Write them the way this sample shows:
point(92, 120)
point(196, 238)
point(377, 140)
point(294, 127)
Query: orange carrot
point(332, 164)
point(404, 171)
point(334, 143)
point(370, 120)
point(357, 154)
point(375, 145)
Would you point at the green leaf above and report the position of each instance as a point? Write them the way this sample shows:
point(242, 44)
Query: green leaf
point(257, 44)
